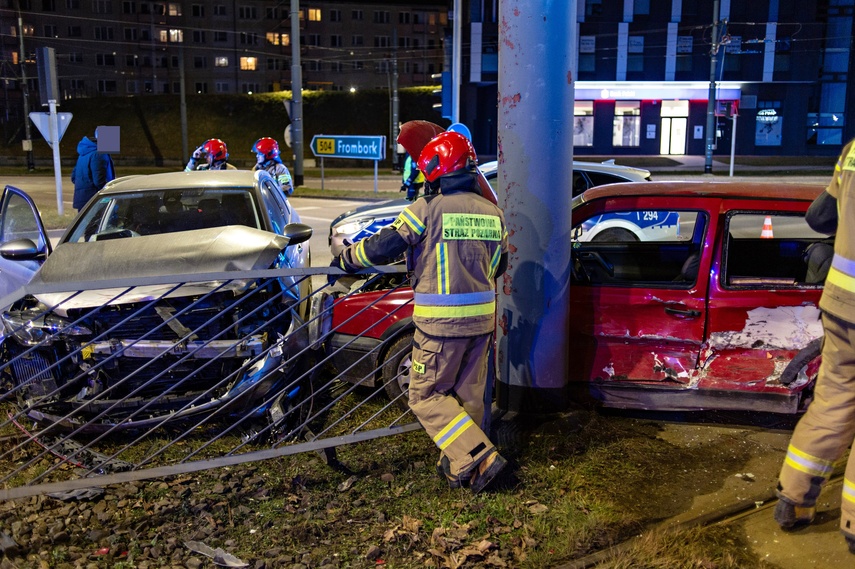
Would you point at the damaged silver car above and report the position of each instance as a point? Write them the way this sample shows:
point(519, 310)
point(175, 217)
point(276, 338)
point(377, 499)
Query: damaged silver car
point(86, 351)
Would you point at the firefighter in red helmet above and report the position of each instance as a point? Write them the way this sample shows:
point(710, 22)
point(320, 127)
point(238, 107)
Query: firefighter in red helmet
point(215, 153)
point(456, 245)
point(267, 158)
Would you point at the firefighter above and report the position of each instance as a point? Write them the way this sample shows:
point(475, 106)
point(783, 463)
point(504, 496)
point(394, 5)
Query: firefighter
point(412, 179)
point(827, 428)
point(267, 158)
point(215, 153)
point(456, 245)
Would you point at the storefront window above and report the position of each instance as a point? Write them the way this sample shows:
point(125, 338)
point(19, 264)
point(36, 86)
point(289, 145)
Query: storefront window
point(583, 123)
point(768, 124)
point(627, 123)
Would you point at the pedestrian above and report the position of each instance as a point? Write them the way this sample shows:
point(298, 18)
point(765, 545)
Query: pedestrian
point(456, 245)
point(91, 172)
point(267, 158)
point(827, 428)
point(215, 153)
point(412, 179)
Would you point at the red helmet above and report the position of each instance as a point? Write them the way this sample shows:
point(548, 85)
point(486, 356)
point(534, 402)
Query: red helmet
point(267, 147)
point(447, 152)
point(216, 150)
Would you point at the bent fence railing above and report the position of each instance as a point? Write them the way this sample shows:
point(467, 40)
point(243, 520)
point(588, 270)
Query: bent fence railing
point(168, 375)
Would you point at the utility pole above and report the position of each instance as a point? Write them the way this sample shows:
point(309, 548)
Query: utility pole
point(710, 130)
point(394, 120)
point(25, 91)
point(296, 95)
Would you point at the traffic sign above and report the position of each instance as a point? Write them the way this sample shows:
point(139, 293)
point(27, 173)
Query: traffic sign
point(42, 122)
point(349, 146)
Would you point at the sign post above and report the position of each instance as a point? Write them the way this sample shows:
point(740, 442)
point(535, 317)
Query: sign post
point(52, 125)
point(349, 146)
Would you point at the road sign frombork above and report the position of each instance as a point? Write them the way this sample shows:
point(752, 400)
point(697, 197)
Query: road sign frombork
point(349, 146)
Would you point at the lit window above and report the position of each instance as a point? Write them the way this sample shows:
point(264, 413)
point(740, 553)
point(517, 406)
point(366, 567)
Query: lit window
point(221, 62)
point(174, 9)
point(272, 38)
point(627, 124)
point(176, 36)
point(248, 63)
point(583, 123)
point(314, 14)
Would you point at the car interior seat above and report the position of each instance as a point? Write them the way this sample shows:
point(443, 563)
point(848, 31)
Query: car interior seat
point(143, 215)
point(235, 210)
point(209, 212)
point(689, 270)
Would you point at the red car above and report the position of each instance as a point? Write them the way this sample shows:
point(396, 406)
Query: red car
point(684, 296)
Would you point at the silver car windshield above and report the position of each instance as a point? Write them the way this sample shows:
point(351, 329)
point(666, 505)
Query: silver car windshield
point(116, 216)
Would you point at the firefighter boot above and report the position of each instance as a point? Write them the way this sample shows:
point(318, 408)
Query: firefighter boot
point(486, 471)
point(790, 516)
point(443, 470)
point(850, 541)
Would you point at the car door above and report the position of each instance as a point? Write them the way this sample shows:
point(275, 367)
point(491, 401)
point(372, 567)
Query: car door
point(638, 293)
point(19, 220)
point(763, 303)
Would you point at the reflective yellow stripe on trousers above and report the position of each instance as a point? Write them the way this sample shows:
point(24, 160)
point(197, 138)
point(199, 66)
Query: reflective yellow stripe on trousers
point(842, 273)
point(453, 430)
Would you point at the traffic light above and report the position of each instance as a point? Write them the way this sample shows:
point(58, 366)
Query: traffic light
point(444, 94)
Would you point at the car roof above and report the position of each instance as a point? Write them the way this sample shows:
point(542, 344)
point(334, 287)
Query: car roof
point(607, 167)
point(182, 180)
point(706, 188)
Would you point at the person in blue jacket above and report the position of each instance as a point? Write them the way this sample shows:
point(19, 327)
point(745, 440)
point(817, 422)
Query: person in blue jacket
point(92, 171)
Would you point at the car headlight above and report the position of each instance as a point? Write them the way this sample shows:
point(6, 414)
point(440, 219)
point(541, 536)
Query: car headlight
point(32, 327)
point(354, 226)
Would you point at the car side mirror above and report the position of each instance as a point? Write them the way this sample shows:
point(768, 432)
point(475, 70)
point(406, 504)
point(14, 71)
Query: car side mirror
point(23, 250)
point(297, 233)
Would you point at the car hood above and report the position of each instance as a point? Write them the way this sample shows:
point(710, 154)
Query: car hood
point(217, 249)
point(382, 209)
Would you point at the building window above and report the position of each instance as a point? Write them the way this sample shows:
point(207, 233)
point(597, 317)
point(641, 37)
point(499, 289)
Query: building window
point(173, 9)
point(641, 7)
point(200, 62)
point(105, 86)
point(130, 34)
point(315, 65)
point(75, 57)
point(222, 87)
point(247, 13)
point(249, 88)
point(105, 59)
point(275, 64)
point(199, 36)
point(198, 10)
point(72, 4)
point(768, 124)
point(381, 17)
point(132, 87)
point(336, 41)
point(104, 7)
point(219, 10)
point(357, 41)
point(382, 41)
point(275, 38)
point(626, 130)
point(403, 17)
point(50, 31)
point(221, 37)
point(635, 53)
point(48, 5)
point(314, 14)
point(358, 65)
point(336, 66)
point(271, 14)
point(131, 61)
point(103, 33)
point(221, 61)
point(248, 38)
point(335, 15)
point(77, 85)
point(74, 32)
point(129, 7)
point(313, 39)
point(356, 15)
point(201, 88)
point(583, 123)
point(248, 63)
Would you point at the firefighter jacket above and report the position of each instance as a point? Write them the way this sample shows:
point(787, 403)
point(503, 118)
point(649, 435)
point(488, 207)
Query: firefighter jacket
point(838, 296)
point(280, 173)
point(456, 245)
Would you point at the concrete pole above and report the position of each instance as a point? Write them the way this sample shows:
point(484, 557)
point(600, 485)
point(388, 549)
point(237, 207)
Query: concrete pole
point(710, 134)
point(395, 109)
point(537, 71)
point(296, 95)
point(54, 143)
point(457, 59)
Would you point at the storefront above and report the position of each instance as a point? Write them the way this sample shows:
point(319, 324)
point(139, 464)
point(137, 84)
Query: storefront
point(650, 117)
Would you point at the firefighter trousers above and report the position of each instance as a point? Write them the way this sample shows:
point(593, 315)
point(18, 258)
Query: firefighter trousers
point(447, 384)
point(827, 428)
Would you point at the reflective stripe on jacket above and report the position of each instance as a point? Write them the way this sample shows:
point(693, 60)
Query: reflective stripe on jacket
point(838, 296)
point(456, 241)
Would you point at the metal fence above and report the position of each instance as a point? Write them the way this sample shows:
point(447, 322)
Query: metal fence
point(133, 379)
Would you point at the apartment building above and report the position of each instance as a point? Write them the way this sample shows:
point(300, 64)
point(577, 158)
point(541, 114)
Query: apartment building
point(136, 47)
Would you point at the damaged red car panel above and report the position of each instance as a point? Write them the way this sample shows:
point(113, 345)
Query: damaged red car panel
point(684, 296)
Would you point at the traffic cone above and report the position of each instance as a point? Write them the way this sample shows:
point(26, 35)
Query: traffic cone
point(767, 228)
